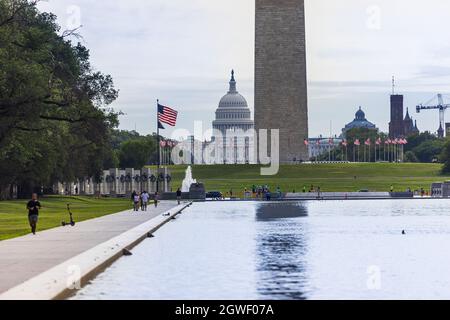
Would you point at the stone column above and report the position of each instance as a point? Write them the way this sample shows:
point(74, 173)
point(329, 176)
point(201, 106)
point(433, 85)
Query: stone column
point(114, 184)
point(165, 185)
point(104, 186)
point(121, 183)
point(130, 185)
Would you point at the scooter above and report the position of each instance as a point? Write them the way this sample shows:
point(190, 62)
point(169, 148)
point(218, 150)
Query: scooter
point(72, 222)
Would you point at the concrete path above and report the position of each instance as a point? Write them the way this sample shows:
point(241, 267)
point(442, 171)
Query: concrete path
point(26, 257)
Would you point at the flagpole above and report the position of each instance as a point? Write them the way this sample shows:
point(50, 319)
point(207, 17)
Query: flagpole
point(159, 145)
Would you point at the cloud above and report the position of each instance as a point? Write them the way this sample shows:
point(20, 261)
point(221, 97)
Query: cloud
point(182, 52)
point(432, 72)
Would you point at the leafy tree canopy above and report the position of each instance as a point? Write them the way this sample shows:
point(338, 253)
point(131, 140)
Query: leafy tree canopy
point(55, 119)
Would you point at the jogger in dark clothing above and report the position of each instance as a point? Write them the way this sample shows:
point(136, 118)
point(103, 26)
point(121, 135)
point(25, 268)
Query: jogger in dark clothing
point(156, 199)
point(33, 208)
point(179, 196)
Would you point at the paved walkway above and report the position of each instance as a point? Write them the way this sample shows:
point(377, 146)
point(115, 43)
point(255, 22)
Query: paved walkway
point(26, 257)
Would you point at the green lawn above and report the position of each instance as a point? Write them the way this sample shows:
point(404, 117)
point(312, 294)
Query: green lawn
point(330, 177)
point(14, 216)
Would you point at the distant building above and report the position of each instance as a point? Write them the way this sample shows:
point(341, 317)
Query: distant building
point(233, 134)
point(320, 145)
point(396, 126)
point(400, 127)
point(359, 122)
point(410, 127)
point(233, 112)
point(234, 125)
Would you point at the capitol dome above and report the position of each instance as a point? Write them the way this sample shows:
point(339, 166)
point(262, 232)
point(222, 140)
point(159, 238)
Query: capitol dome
point(233, 112)
point(233, 98)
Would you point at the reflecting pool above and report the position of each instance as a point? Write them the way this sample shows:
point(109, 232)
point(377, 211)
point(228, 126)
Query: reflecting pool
point(292, 250)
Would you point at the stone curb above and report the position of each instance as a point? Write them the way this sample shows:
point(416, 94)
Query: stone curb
point(63, 280)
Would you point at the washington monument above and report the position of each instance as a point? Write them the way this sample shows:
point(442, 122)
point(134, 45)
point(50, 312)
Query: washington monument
point(281, 100)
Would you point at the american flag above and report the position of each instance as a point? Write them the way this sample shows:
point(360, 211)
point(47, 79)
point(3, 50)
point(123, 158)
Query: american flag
point(368, 142)
point(357, 142)
point(345, 143)
point(306, 142)
point(378, 142)
point(167, 115)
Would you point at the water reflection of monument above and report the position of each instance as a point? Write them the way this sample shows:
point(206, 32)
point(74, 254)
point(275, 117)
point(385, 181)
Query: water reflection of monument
point(281, 249)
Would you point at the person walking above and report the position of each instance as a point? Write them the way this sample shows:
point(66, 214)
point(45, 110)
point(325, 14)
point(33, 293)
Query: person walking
point(133, 194)
point(136, 201)
point(156, 199)
point(179, 196)
point(33, 208)
point(144, 200)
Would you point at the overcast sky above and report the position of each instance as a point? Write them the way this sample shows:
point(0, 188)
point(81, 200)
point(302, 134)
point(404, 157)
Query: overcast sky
point(182, 52)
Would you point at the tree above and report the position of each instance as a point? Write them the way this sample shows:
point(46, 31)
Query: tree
point(136, 153)
point(411, 157)
point(445, 157)
point(55, 120)
point(417, 139)
point(429, 151)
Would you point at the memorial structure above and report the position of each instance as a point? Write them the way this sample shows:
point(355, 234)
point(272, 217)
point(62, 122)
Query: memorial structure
point(281, 100)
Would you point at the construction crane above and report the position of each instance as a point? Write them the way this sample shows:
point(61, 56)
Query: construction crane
point(441, 107)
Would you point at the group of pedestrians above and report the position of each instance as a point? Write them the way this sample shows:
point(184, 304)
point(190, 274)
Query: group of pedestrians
point(264, 192)
point(140, 200)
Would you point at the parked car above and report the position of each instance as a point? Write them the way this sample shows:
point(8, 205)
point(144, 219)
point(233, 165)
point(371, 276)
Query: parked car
point(214, 195)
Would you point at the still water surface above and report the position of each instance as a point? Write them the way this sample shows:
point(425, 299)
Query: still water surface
point(304, 250)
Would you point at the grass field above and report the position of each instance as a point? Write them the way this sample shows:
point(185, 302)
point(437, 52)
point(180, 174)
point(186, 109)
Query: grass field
point(330, 177)
point(14, 216)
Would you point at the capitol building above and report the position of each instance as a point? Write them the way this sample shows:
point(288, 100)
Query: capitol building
point(232, 139)
point(232, 129)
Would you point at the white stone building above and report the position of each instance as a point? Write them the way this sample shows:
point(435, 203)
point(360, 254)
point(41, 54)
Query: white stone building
point(233, 136)
point(232, 140)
